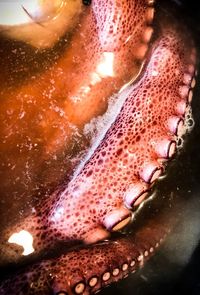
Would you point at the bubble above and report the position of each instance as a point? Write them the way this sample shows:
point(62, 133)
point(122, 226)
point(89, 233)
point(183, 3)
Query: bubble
point(187, 128)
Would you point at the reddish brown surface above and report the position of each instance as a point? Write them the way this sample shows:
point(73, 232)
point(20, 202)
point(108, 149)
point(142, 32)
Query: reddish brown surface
point(43, 104)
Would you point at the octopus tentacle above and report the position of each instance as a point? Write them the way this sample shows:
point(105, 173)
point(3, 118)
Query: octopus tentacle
point(122, 146)
point(74, 272)
point(132, 155)
point(46, 105)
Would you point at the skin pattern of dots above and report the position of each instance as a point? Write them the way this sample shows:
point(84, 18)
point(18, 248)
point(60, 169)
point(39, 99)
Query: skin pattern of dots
point(118, 175)
point(50, 133)
point(74, 273)
point(93, 201)
point(58, 99)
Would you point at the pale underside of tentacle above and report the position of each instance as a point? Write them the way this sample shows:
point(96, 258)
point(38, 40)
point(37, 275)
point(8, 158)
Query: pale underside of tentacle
point(129, 159)
point(89, 269)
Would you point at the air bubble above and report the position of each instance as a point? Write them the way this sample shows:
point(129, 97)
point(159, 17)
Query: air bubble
point(187, 128)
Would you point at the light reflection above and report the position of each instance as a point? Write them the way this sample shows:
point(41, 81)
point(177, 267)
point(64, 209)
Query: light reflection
point(22, 12)
point(11, 12)
point(39, 23)
point(58, 214)
point(24, 239)
point(105, 68)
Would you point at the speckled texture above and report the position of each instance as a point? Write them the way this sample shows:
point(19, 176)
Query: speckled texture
point(48, 97)
point(45, 105)
point(130, 157)
point(131, 143)
point(86, 270)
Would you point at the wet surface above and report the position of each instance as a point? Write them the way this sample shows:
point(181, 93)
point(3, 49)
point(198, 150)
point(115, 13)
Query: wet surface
point(174, 268)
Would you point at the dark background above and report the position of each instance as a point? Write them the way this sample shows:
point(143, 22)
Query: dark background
point(175, 269)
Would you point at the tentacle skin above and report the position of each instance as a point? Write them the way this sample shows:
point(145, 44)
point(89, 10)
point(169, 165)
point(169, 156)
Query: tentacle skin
point(132, 155)
point(117, 174)
point(87, 270)
point(47, 98)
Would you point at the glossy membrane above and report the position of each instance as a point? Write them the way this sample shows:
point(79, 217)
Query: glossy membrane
point(79, 284)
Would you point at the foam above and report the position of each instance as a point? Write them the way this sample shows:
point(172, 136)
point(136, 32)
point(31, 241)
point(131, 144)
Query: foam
point(187, 128)
point(97, 128)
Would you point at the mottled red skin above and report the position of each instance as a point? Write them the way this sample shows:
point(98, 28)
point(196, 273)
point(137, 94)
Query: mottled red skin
point(78, 212)
point(103, 182)
point(41, 123)
point(63, 274)
point(47, 98)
